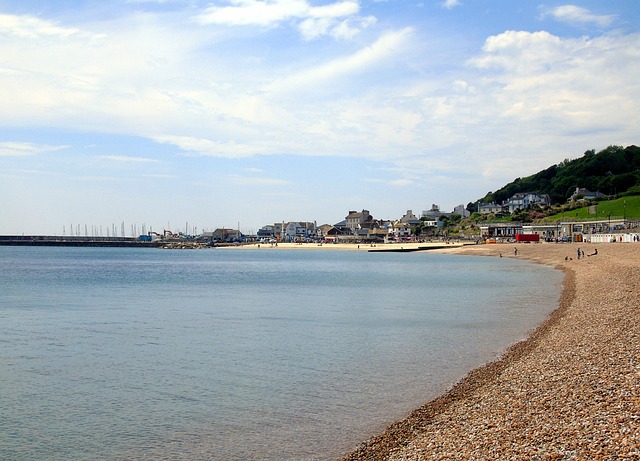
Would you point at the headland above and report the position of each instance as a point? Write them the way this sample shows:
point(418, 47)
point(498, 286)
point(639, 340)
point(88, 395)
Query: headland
point(571, 391)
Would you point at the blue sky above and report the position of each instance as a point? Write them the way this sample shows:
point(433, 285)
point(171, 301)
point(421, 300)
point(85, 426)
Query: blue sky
point(218, 113)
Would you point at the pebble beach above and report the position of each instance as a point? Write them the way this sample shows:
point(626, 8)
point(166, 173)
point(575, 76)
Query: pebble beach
point(571, 391)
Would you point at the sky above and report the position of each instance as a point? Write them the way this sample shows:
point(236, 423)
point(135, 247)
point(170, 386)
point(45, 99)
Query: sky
point(190, 115)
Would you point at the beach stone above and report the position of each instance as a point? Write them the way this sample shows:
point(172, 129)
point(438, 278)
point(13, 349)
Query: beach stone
point(571, 391)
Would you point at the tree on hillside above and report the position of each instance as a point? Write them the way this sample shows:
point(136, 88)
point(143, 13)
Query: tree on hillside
point(610, 171)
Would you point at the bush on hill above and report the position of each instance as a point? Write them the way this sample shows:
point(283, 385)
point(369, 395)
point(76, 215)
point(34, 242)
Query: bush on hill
point(612, 171)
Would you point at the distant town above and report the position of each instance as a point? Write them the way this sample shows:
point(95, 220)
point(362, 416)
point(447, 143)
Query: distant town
point(362, 227)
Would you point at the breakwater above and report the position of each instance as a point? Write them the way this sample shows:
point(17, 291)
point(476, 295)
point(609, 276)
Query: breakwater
point(71, 241)
point(395, 249)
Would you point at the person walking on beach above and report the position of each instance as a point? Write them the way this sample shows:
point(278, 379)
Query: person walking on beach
point(515, 251)
point(578, 252)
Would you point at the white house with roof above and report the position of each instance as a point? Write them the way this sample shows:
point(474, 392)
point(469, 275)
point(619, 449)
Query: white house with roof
point(296, 230)
point(586, 194)
point(486, 208)
point(523, 200)
point(434, 212)
point(462, 211)
point(266, 232)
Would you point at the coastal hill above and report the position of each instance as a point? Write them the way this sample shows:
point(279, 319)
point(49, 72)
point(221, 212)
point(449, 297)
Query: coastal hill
point(612, 171)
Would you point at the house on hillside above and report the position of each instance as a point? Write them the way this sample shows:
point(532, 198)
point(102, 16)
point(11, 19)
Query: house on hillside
point(434, 212)
point(524, 200)
point(462, 211)
point(432, 223)
point(486, 208)
point(586, 194)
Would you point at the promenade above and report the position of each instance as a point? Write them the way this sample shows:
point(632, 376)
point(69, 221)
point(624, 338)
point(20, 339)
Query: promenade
point(569, 392)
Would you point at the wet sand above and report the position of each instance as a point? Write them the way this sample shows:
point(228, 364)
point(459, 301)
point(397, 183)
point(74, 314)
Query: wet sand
point(571, 391)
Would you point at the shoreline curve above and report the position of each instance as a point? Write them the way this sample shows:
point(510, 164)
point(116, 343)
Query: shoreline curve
point(560, 393)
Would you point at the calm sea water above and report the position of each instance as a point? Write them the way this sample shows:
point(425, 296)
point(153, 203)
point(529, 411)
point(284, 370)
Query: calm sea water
point(241, 354)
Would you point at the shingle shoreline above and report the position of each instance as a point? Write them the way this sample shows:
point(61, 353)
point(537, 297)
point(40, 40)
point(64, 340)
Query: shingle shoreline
point(570, 391)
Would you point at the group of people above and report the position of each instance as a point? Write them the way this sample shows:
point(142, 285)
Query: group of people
point(581, 253)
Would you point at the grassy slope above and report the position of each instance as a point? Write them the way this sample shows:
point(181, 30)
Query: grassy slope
point(624, 206)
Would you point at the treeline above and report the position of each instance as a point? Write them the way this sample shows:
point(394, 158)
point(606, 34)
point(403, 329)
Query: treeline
point(612, 171)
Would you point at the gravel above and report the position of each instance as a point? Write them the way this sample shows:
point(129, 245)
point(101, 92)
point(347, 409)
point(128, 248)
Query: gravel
point(571, 391)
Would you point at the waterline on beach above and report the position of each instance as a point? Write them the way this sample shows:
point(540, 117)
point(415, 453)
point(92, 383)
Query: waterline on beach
point(243, 354)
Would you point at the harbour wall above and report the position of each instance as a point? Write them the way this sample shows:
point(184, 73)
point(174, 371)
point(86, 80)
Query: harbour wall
point(78, 241)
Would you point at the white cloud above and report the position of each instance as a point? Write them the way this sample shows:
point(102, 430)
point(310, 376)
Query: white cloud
point(335, 10)
point(337, 19)
point(551, 91)
point(159, 176)
point(573, 14)
point(257, 181)
point(346, 29)
point(378, 52)
point(207, 147)
point(146, 76)
point(349, 28)
point(102, 78)
point(31, 27)
point(521, 50)
point(449, 4)
point(252, 12)
point(127, 159)
point(400, 182)
point(270, 13)
point(23, 149)
point(140, 73)
point(160, 2)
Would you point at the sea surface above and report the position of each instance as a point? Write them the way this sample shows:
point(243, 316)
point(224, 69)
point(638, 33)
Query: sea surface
point(113, 353)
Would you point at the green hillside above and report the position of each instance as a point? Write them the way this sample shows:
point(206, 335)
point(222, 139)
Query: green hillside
point(611, 171)
point(624, 207)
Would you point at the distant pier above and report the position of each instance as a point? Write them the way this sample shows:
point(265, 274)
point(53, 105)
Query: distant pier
point(79, 241)
point(408, 250)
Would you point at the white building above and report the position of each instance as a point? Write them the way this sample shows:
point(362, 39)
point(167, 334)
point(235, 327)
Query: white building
point(434, 212)
point(297, 230)
point(523, 200)
point(462, 211)
point(486, 208)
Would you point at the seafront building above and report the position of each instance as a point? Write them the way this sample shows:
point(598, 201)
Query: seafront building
point(593, 230)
